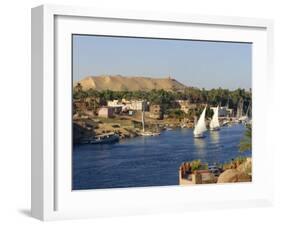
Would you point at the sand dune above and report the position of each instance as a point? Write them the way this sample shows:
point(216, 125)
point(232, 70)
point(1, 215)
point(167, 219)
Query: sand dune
point(127, 83)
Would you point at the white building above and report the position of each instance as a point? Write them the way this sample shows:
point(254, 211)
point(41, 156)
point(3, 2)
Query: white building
point(136, 105)
point(117, 104)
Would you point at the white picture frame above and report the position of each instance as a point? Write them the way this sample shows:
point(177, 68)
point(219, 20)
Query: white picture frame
point(52, 197)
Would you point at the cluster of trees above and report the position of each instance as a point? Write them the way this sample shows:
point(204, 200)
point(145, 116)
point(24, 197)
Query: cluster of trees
point(166, 98)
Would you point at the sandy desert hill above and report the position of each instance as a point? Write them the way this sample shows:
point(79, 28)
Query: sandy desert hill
point(129, 83)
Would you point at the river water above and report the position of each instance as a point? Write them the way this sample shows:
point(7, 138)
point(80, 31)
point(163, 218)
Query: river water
point(151, 161)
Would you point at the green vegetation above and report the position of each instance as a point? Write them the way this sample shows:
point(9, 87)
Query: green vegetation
point(198, 165)
point(167, 98)
point(246, 142)
point(176, 113)
point(195, 165)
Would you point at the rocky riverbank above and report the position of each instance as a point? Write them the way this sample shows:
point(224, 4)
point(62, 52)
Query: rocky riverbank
point(125, 127)
point(240, 171)
point(195, 172)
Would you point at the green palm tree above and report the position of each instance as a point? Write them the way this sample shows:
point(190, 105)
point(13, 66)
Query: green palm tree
point(246, 142)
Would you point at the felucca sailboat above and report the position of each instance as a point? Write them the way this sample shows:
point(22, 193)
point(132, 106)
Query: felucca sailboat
point(200, 126)
point(215, 124)
point(245, 118)
point(146, 133)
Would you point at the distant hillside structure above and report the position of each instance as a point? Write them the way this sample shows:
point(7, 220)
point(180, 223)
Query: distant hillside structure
point(155, 111)
point(106, 112)
point(185, 105)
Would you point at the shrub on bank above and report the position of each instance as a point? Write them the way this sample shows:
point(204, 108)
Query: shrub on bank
point(198, 165)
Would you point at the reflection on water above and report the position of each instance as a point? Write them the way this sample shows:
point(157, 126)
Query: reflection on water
point(215, 137)
point(151, 161)
point(200, 143)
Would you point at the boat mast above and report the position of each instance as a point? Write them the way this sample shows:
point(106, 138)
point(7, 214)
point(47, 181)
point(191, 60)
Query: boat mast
point(143, 120)
point(227, 104)
point(248, 108)
point(143, 116)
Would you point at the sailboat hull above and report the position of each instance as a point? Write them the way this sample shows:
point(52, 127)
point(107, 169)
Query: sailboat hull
point(149, 134)
point(201, 135)
point(215, 129)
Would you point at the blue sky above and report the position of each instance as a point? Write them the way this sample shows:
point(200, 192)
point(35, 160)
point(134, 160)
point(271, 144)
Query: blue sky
point(201, 64)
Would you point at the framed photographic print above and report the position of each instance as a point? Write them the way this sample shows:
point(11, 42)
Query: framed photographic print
point(137, 112)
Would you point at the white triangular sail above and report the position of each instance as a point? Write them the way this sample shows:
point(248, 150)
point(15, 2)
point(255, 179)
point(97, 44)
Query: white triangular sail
point(215, 124)
point(240, 108)
point(245, 118)
point(247, 112)
point(200, 127)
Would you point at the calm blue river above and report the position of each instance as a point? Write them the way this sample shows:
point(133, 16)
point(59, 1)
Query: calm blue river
point(151, 161)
